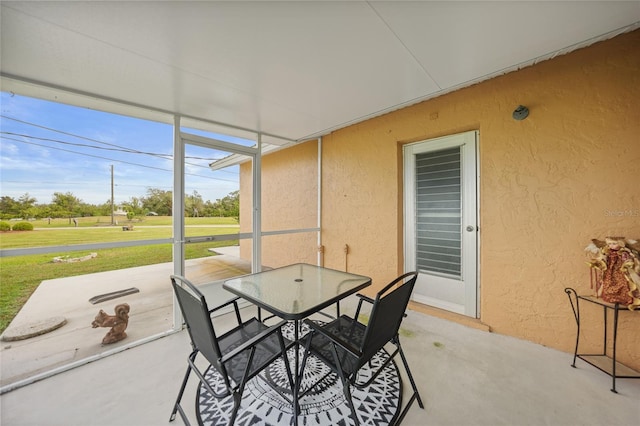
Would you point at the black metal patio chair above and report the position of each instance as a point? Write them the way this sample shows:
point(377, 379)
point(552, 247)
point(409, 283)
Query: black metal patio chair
point(346, 345)
point(237, 355)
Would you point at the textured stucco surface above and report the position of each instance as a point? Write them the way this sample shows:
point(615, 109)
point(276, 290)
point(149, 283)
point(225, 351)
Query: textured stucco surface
point(548, 184)
point(289, 201)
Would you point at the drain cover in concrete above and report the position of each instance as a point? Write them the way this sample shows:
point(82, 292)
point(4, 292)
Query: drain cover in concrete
point(37, 328)
point(113, 295)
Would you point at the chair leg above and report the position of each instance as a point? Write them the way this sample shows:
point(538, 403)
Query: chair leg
point(176, 406)
point(298, 378)
point(345, 385)
point(237, 398)
point(413, 383)
point(285, 359)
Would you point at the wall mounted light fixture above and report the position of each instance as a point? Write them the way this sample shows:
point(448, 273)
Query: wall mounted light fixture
point(520, 113)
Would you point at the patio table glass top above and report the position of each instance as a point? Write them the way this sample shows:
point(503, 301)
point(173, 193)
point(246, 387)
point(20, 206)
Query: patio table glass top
point(296, 291)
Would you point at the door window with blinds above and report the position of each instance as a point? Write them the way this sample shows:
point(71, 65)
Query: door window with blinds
point(440, 221)
point(438, 212)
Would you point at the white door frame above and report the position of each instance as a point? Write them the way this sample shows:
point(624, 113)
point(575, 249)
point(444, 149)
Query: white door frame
point(467, 296)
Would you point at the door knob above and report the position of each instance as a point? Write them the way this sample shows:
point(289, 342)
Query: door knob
point(471, 228)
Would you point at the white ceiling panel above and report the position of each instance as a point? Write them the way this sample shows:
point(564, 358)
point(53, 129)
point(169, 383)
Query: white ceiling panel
point(290, 69)
point(458, 42)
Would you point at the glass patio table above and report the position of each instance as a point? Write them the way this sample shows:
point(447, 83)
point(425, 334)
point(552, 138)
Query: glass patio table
point(295, 292)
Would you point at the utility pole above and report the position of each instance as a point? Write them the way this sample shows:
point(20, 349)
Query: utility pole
point(112, 205)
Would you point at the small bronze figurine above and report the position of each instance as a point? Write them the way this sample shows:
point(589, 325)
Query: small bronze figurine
point(117, 322)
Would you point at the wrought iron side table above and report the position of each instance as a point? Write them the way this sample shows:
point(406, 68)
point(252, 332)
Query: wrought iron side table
point(601, 361)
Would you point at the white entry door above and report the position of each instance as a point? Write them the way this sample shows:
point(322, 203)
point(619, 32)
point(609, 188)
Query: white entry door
point(441, 224)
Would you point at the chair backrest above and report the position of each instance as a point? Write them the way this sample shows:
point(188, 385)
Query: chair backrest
point(196, 315)
point(387, 313)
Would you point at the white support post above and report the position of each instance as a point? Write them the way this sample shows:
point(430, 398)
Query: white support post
point(320, 253)
point(178, 214)
point(256, 258)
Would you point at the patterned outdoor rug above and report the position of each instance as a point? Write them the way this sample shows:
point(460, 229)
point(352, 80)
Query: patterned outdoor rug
point(378, 404)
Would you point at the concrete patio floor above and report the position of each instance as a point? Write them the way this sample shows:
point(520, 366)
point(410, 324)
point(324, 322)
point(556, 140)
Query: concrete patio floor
point(465, 376)
point(151, 312)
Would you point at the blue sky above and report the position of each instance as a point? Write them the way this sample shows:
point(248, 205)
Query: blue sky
point(47, 147)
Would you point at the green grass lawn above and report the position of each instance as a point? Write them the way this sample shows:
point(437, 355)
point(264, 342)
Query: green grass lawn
point(21, 275)
point(85, 222)
point(90, 231)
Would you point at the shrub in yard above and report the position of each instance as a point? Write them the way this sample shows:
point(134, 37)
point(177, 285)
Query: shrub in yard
point(5, 226)
point(23, 226)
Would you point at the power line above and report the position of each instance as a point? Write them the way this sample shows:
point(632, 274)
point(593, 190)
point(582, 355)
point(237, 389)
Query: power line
point(55, 130)
point(130, 151)
point(120, 147)
point(164, 156)
point(118, 161)
point(48, 183)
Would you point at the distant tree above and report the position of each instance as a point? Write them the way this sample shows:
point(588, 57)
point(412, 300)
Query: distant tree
point(26, 204)
point(156, 200)
point(159, 201)
point(209, 209)
point(85, 209)
point(232, 204)
point(134, 207)
point(194, 205)
point(23, 207)
point(229, 206)
point(103, 209)
point(42, 211)
point(9, 207)
point(66, 205)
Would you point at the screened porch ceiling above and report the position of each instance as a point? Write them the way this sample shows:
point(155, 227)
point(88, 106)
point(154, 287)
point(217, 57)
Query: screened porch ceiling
point(291, 70)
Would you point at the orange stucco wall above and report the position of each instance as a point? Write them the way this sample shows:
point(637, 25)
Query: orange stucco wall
point(289, 201)
point(548, 184)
